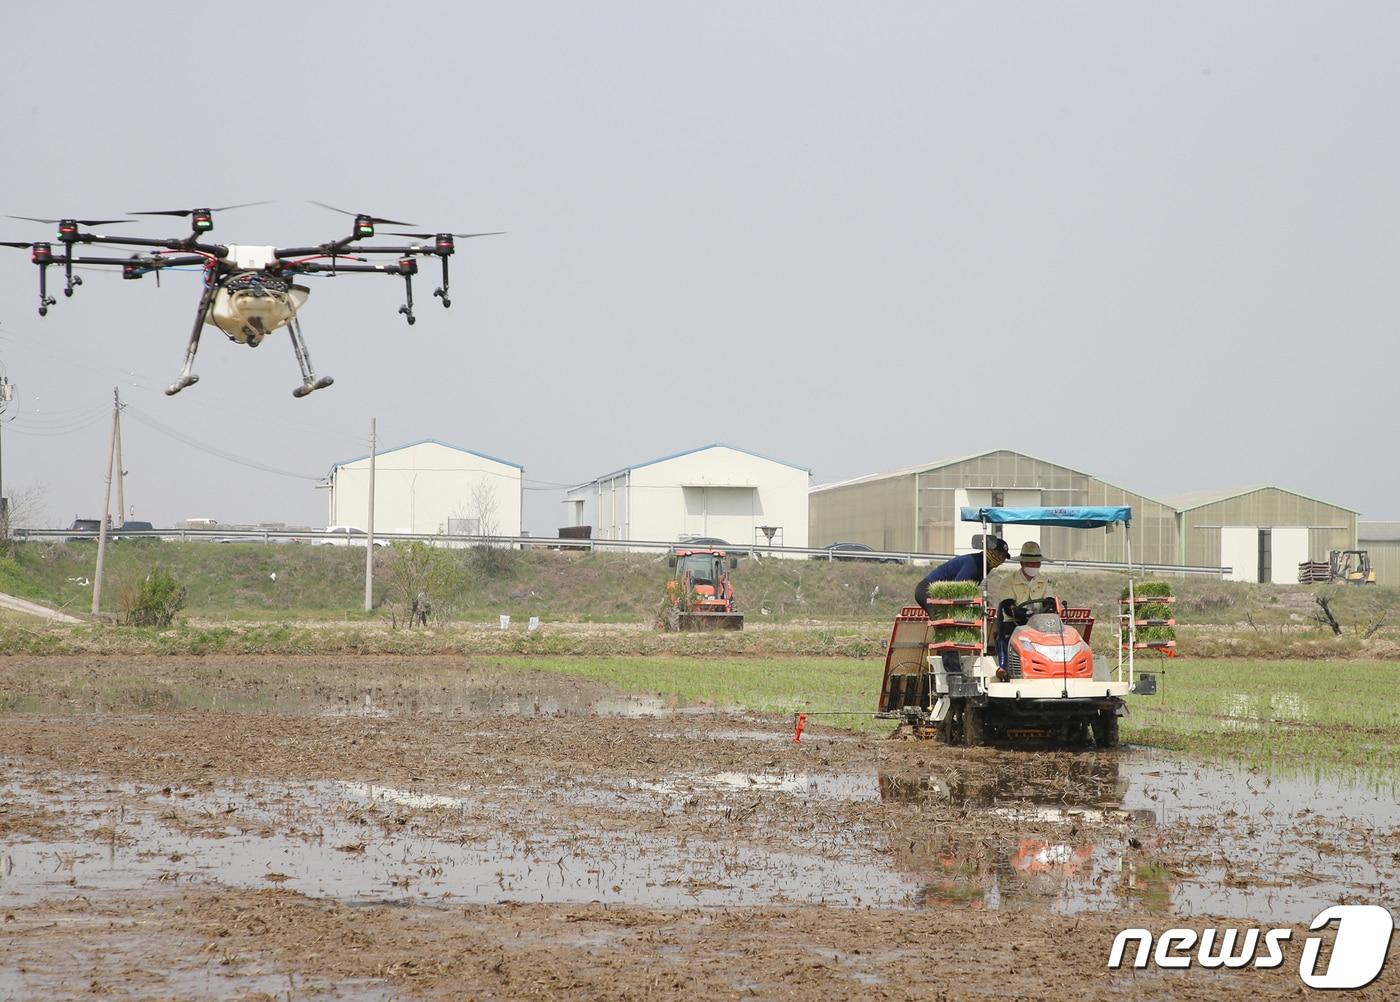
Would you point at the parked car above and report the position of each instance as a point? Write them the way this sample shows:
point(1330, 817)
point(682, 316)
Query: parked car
point(85, 528)
point(712, 543)
point(347, 535)
point(129, 526)
point(853, 551)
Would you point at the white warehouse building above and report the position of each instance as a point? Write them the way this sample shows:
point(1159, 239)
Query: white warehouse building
point(714, 491)
point(429, 486)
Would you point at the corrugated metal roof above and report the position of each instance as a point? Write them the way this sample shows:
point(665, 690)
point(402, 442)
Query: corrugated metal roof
point(428, 441)
point(1378, 532)
point(1178, 502)
point(940, 464)
point(699, 448)
point(1199, 499)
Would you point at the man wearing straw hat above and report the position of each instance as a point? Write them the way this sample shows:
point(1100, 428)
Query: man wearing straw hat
point(1026, 584)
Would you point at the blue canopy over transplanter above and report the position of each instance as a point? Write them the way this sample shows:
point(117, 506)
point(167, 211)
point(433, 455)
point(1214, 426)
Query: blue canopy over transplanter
point(1074, 518)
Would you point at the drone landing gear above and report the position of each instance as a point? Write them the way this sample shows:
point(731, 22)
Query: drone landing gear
point(309, 382)
point(187, 378)
point(442, 293)
point(408, 268)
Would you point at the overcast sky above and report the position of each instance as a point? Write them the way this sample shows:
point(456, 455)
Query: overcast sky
point(1156, 242)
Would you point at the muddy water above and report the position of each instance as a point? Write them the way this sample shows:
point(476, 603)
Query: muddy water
point(1219, 841)
point(741, 816)
point(1135, 830)
point(329, 839)
point(461, 699)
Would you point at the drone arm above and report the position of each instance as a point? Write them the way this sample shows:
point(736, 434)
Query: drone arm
point(311, 267)
point(217, 250)
point(146, 263)
point(341, 246)
point(407, 267)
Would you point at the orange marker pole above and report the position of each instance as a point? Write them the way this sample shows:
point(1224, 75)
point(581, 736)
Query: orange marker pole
point(799, 725)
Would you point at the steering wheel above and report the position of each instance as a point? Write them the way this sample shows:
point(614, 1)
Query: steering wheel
point(1023, 612)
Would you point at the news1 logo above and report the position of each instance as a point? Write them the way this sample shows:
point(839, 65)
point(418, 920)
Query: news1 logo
point(1358, 953)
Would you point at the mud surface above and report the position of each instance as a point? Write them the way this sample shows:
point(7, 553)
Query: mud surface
point(369, 828)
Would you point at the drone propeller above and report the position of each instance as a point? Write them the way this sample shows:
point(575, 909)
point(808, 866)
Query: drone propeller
point(191, 212)
point(429, 236)
point(80, 222)
point(360, 215)
point(15, 243)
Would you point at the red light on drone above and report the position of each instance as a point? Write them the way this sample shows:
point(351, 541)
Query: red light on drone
point(43, 254)
point(408, 265)
point(203, 220)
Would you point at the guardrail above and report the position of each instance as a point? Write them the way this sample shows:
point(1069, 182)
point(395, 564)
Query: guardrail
point(321, 537)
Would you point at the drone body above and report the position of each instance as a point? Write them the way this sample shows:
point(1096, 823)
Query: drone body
point(248, 290)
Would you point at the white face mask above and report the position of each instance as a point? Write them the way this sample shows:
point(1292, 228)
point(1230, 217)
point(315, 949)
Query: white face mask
point(1030, 572)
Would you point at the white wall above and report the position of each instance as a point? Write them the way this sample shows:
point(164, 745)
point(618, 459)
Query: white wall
point(1014, 535)
point(1289, 549)
point(719, 492)
point(418, 488)
point(1239, 549)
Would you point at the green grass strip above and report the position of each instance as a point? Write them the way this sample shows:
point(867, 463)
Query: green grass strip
point(1302, 717)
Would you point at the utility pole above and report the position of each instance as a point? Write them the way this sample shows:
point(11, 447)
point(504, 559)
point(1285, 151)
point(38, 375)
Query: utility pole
point(106, 503)
point(121, 479)
point(7, 393)
point(369, 542)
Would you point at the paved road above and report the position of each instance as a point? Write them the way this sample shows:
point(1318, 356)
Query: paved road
point(34, 609)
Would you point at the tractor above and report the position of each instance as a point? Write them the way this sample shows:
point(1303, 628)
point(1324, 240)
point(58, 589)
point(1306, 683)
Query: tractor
point(1030, 673)
point(1351, 567)
point(699, 595)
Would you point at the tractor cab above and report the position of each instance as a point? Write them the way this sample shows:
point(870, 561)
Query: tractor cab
point(1041, 644)
point(703, 571)
point(700, 594)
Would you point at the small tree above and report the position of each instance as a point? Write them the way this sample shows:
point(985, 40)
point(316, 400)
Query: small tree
point(153, 600)
point(22, 509)
point(416, 571)
point(484, 509)
point(490, 559)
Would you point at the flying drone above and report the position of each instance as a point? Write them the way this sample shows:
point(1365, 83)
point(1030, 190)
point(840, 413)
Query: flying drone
point(249, 291)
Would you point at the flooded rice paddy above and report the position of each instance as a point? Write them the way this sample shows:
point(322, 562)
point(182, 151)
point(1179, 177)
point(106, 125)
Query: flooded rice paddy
point(359, 794)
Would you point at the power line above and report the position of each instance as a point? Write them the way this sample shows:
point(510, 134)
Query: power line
point(223, 454)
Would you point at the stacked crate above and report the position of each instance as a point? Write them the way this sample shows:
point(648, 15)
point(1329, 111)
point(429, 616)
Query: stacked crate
point(1150, 610)
point(957, 617)
point(1314, 572)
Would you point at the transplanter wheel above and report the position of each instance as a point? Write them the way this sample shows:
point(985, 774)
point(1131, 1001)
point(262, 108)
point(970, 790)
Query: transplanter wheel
point(1106, 729)
point(974, 730)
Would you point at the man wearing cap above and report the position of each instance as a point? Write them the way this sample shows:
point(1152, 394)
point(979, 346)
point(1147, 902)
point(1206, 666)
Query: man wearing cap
point(968, 567)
